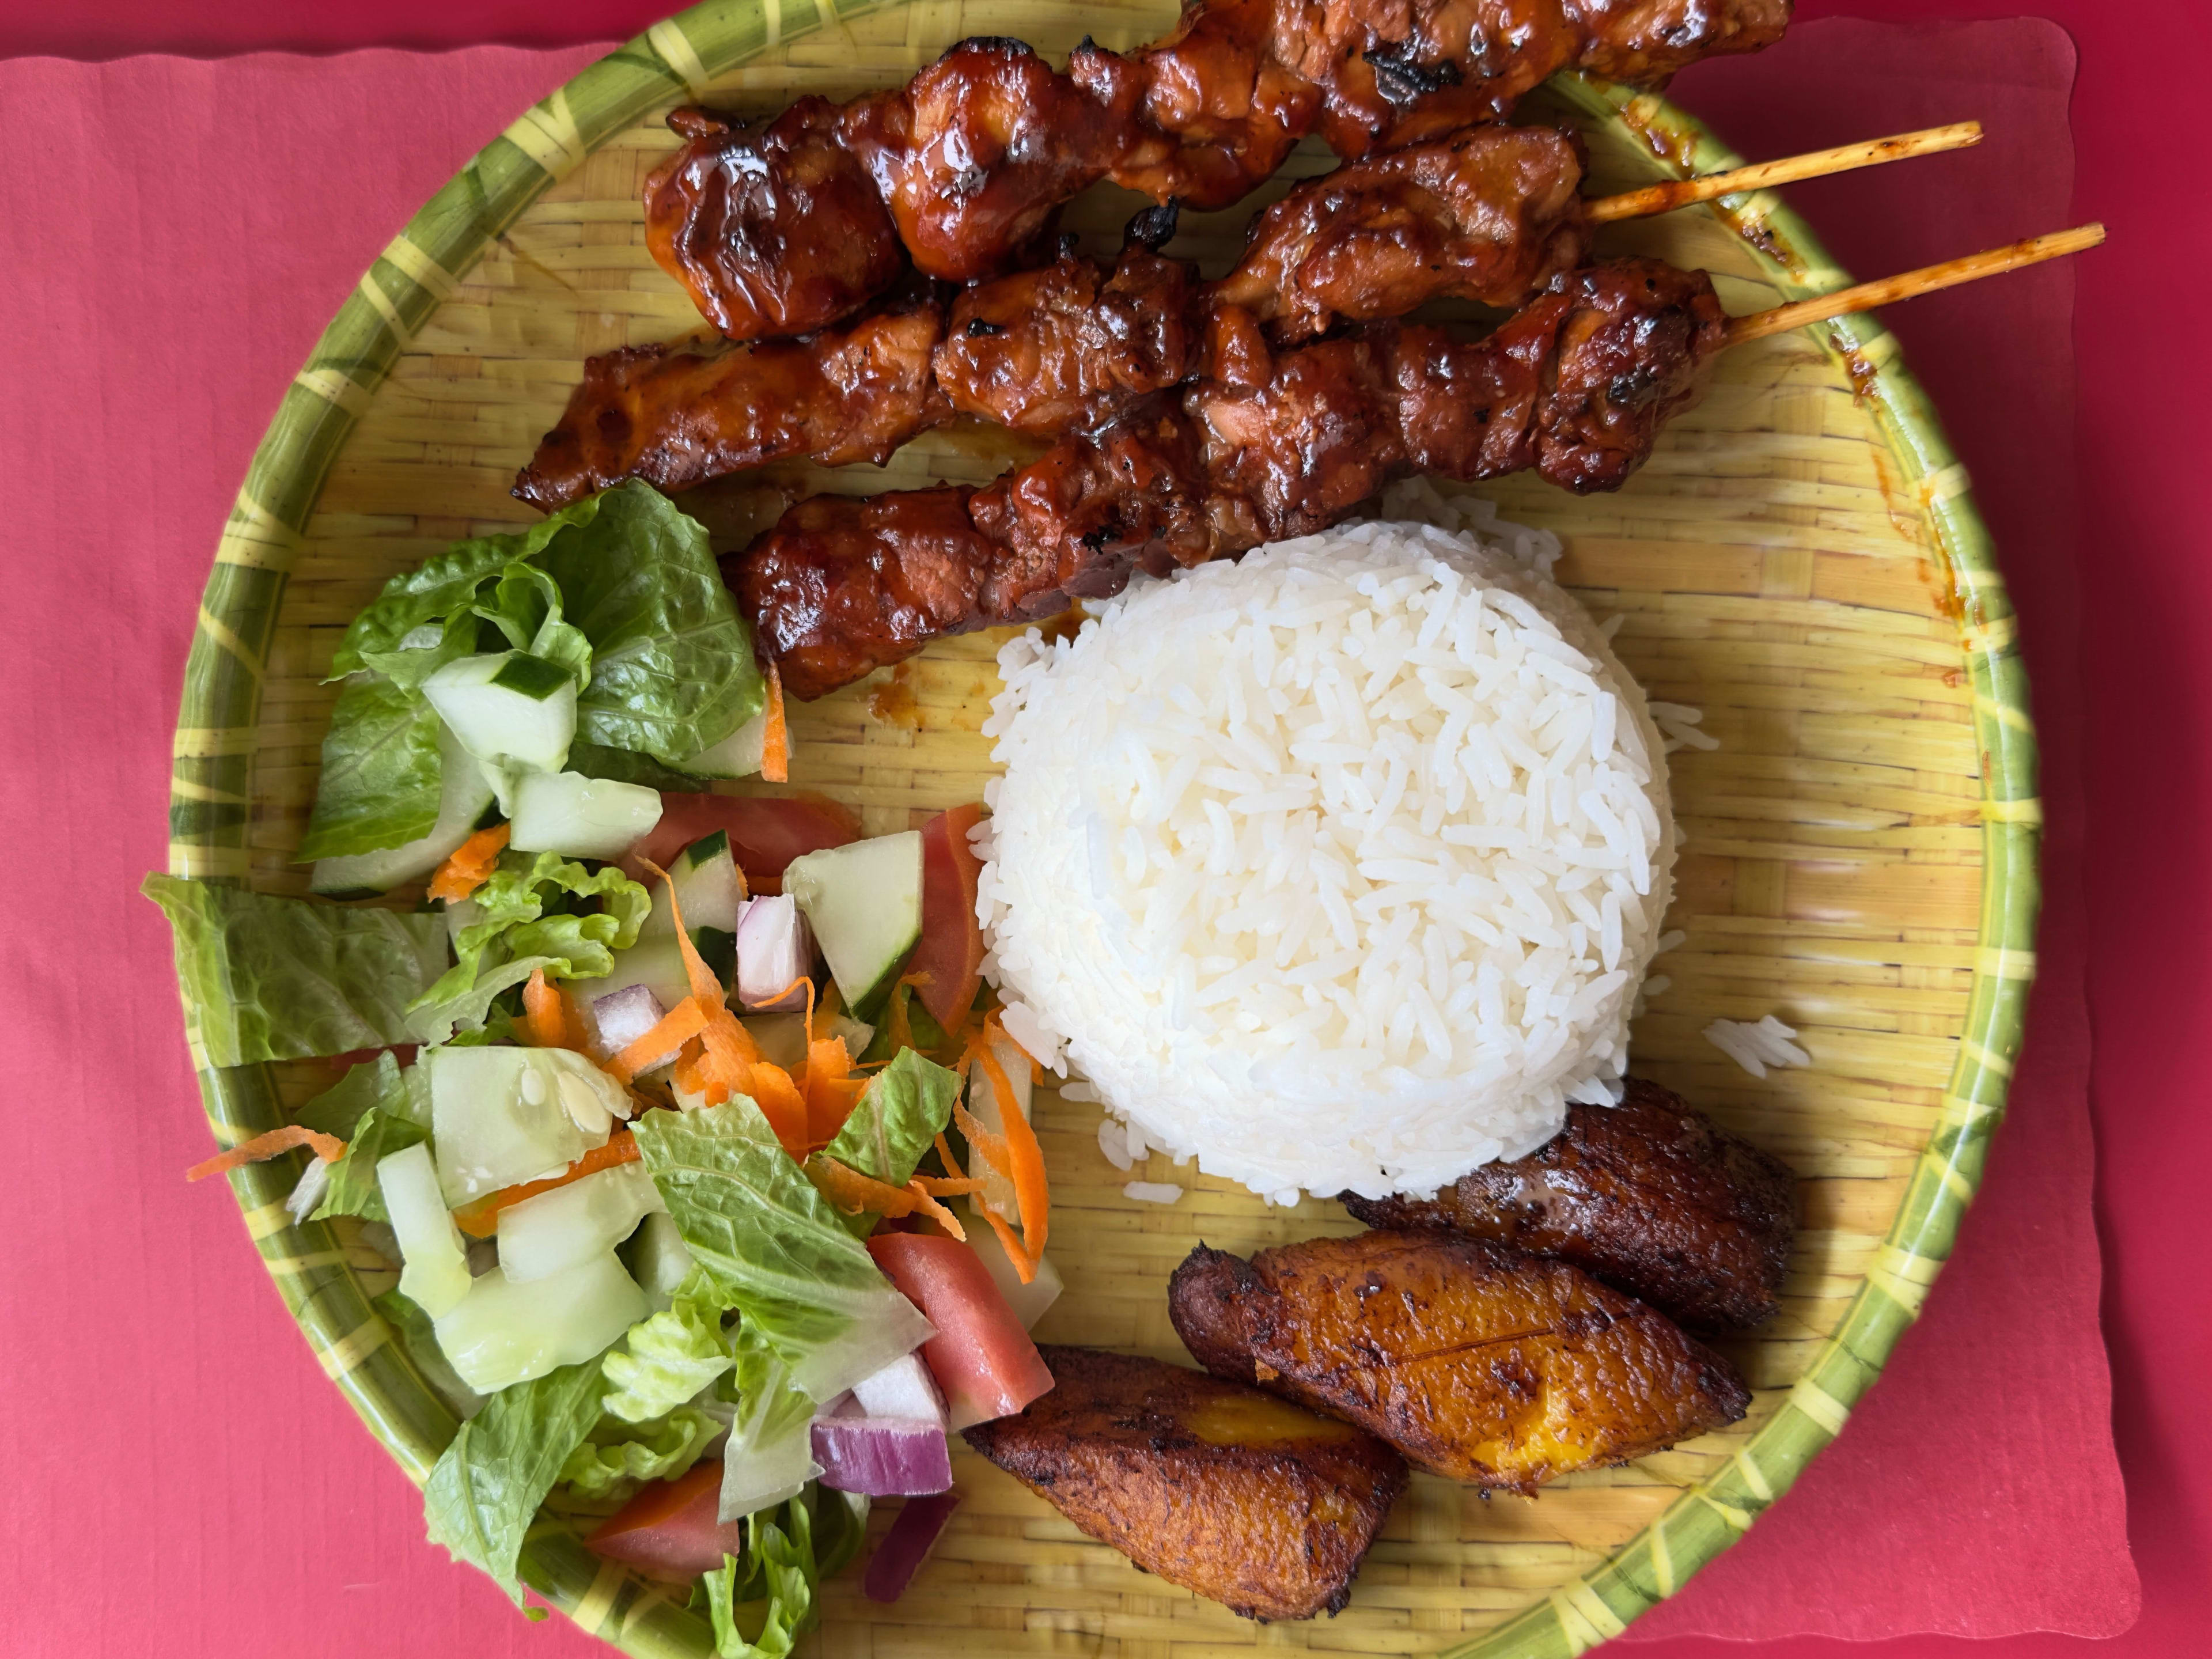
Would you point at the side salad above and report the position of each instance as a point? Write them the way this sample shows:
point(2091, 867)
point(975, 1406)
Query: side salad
point(660, 1100)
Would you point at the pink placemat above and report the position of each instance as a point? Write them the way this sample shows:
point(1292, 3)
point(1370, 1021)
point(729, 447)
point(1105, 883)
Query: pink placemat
point(185, 1480)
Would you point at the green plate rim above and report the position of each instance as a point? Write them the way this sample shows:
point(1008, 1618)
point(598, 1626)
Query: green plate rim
point(211, 818)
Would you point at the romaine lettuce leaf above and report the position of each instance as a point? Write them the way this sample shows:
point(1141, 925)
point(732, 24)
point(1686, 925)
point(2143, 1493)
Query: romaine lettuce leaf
point(770, 1457)
point(353, 1189)
point(596, 760)
point(381, 772)
point(906, 1108)
point(774, 1583)
point(376, 1084)
point(666, 1359)
point(269, 978)
point(617, 1457)
point(774, 1248)
point(672, 665)
point(486, 1490)
point(446, 585)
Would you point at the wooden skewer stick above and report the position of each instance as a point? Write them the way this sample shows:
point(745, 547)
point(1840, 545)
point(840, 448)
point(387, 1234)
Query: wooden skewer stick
point(1815, 164)
point(1887, 290)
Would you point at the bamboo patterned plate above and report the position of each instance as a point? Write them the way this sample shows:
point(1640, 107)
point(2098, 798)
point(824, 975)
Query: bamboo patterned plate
point(1801, 559)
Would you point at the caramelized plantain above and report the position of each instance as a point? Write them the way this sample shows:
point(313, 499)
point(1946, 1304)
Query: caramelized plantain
point(1650, 1196)
point(1214, 1486)
point(1477, 1362)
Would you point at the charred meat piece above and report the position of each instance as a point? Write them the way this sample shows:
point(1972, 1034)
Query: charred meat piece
point(968, 162)
point(976, 153)
point(677, 418)
point(1239, 465)
point(774, 230)
point(1060, 349)
point(1221, 1489)
point(1491, 216)
point(1648, 1196)
point(1477, 1362)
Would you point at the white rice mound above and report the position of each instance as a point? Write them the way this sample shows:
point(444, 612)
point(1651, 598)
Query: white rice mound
point(1336, 867)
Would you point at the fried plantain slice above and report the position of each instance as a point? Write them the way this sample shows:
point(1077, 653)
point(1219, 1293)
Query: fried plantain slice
point(1650, 1196)
point(1477, 1362)
point(1214, 1485)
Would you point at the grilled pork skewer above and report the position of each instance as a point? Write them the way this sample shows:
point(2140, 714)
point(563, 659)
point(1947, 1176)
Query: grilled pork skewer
point(788, 226)
point(1575, 386)
point(1490, 215)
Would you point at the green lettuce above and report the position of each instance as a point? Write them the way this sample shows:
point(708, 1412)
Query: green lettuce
point(672, 665)
point(269, 978)
point(666, 1359)
point(770, 1454)
point(617, 1457)
point(774, 1583)
point(486, 1490)
point(381, 772)
point(376, 1084)
point(905, 1108)
point(527, 920)
point(774, 1248)
point(353, 1189)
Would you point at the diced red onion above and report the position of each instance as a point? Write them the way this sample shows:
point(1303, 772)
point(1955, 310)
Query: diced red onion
point(914, 1533)
point(882, 1457)
point(903, 1389)
point(774, 948)
point(624, 1015)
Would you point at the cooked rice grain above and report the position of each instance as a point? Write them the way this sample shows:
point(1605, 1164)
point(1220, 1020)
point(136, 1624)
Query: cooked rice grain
point(1336, 867)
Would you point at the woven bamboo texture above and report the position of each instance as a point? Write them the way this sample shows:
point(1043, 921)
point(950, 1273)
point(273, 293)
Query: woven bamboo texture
point(1800, 560)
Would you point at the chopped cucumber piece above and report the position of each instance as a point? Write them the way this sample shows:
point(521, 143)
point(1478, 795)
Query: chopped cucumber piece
point(705, 878)
point(562, 1229)
point(435, 1275)
point(501, 1116)
point(464, 794)
point(502, 1333)
point(782, 1038)
point(1029, 1302)
point(991, 1112)
point(858, 1034)
point(508, 714)
point(864, 903)
point(580, 818)
point(738, 755)
point(659, 1259)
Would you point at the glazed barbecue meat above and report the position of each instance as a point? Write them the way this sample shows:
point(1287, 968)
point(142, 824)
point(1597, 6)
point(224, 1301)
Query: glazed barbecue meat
point(1648, 1196)
point(1575, 386)
point(968, 162)
point(677, 417)
point(1478, 1362)
point(1219, 1488)
point(1061, 348)
point(1490, 216)
point(773, 229)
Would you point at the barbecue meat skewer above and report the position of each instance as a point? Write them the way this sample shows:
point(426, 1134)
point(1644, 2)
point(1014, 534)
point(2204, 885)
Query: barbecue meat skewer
point(1575, 385)
point(1490, 216)
point(769, 229)
point(1648, 1196)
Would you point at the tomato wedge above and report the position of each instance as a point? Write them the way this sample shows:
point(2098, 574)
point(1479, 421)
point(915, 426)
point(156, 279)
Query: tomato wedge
point(950, 951)
point(669, 1530)
point(765, 834)
point(981, 1356)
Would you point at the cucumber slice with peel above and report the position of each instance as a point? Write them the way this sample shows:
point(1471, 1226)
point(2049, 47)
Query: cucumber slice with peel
point(464, 792)
point(515, 713)
point(580, 818)
point(706, 884)
point(502, 1333)
point(864, 902)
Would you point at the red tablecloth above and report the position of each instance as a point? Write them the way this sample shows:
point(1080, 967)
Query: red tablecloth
point(170, 1396)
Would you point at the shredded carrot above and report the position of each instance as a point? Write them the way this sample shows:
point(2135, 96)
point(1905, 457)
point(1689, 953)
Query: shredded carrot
point(269, 1144)
point(781, 1103)
point(706, 984)
point(944, 1156)
point(853, 1192)
point(481, 1219)
point(926, 1202)
point(988, 1146)
point(1032, 1194)
point(775, 735)
point(469, 865)
point(1024, 1267)
point(547, 1019)
point(946, 1186)
point(670, 1033)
